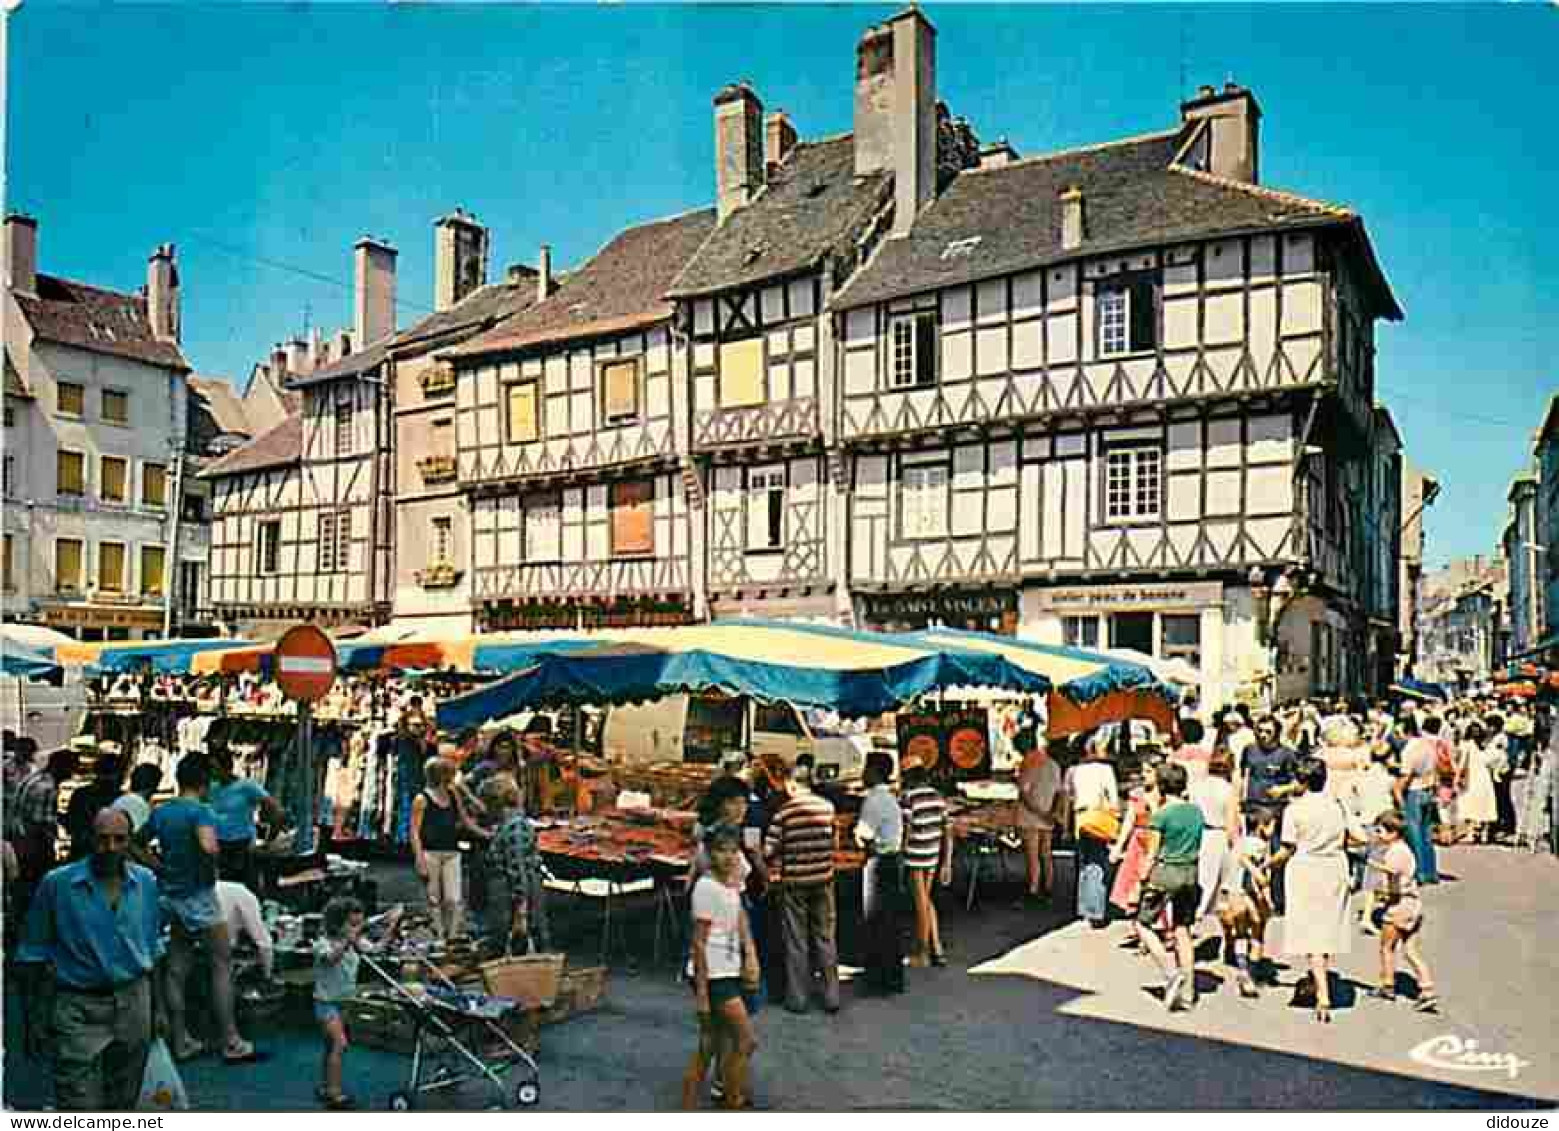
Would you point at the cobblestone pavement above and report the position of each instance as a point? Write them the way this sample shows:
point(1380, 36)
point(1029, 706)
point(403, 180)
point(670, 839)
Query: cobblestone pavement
point(1037, 1012)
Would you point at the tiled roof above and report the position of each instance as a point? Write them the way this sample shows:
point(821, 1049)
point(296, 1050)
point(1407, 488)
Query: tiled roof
point(812, 202)
point(216, 398)
point(991, 222)
point(353, 364)
point(95, 319)
point(621, 288)
point(280, 446)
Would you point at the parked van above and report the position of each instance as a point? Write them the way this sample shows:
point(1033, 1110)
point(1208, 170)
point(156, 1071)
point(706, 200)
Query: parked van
point(708, 730)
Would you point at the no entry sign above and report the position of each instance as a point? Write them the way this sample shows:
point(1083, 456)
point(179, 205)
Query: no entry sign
point(305, 663)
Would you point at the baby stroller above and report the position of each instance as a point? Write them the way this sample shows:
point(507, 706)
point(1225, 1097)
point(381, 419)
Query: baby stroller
point(451, 1025)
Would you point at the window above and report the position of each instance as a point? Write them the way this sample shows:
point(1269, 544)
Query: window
point(923, 501)
point(543, 527)
point(154, 485)
point(741, 374)
point(8, 582)
point(111, 567)
point(71, 473)
point(620, 391)
point(153, 560)
point(523, 417)
point(1132, 630)
point(70, 399)
point(325, 539)
point(67, 564)
point(268, 560)
point(344, 424)
point(1080, 632)
point(189, 590)
point(776, 718)
point(10, 416)
point(1181, 634)
point(633, 517)
point(192, 508)
point(115, 476)
point(1132, 483)
point(1128, 321)
point(9, 475)
point(443, 541)
point(766, 508)
point(914, 350)
point(116, 406)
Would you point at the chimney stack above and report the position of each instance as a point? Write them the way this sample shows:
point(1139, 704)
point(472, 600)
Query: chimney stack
point(895, 110)
point(1073, 222)
point(318, 356)
point(343, 343)
point(738, 147)
point(1234, 130)
point(162, 294)
point(298, 360)
point(21, 253)
point(278, 362)
point(544, 273)
point(459, 258)
point(779, 138)
point(374, 317)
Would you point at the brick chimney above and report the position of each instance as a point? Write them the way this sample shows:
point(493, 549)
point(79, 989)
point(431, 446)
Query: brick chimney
point(21, 253)
point(1234, 136)
point(298, 359)
point(738, 147)
point(544, 272)
point(1074, 226)
point(779, 138)
point(374, 317)
point(459, 258)
point(895, 110)
point(162, 294)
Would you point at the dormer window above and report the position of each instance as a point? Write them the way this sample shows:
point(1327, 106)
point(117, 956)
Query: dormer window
point(914, 341)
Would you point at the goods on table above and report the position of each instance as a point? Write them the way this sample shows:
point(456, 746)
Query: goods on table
point(986, 819)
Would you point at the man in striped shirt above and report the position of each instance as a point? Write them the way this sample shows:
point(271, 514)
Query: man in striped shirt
point(800, 849)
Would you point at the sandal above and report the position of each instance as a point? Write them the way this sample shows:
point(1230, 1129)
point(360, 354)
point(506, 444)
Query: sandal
point(1428, 1004)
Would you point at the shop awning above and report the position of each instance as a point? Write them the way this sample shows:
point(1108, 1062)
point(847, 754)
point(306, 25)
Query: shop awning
point(166, 657)
point(1088, 688)
point(850, 673)
point(24, 663)
point(1420, 689)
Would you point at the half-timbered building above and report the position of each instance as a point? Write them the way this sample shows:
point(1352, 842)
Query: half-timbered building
point(1126, 384)
point(571, 445)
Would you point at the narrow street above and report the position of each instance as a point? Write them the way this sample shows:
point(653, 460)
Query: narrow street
point(1052, 1016)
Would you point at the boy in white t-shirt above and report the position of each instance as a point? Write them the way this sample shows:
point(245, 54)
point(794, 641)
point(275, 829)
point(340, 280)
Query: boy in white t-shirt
point(723, 964)
point(1399, 913)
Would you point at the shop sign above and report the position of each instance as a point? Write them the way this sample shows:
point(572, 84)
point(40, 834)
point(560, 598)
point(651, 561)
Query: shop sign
point(92, 616)
point(1163, 595)
point(942, 605)
point(953, 744)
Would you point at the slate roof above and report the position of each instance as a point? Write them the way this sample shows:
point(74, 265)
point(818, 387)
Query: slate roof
point(997, 221)
point(812, 202)
point(280, 446)
point(102, 321)
point(620, 289)
point(353, 364)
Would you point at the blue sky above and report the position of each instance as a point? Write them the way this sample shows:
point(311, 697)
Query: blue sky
point(264, 139)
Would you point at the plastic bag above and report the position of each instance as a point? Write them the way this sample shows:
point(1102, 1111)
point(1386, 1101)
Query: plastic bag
point(162, 1089)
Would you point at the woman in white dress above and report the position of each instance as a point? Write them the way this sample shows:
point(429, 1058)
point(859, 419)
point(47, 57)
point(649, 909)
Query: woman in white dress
point(1314, 836)
point(1215, 796)
point(1476, 810)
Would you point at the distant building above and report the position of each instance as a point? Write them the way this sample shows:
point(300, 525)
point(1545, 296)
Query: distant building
point(1546, 522)
point(1419, 491)
point(1523, 552)
point(1463, 628)
point(96, 415)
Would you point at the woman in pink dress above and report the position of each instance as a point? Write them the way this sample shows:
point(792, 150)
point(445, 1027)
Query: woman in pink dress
point(1130, 852)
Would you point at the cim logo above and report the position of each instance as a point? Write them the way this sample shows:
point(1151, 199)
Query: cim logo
point(1458, 1055)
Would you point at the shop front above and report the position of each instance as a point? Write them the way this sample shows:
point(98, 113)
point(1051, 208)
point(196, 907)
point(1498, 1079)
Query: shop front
point(522, 615)
point(976, 610)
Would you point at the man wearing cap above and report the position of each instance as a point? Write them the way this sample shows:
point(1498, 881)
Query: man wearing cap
point(800, 845)
point(94, 937)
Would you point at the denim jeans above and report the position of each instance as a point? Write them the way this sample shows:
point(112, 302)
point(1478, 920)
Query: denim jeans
point(1093, 876)
point(1418, 808)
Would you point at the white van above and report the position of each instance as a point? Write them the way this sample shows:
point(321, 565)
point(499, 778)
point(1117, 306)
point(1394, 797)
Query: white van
point(684, 728)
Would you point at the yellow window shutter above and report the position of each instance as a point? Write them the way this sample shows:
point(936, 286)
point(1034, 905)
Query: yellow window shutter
point(621, 379)
point(110, 566)
point(741, 373)
point(67, 564)
point(522, 413)
point(114, 479)
point(151, 570)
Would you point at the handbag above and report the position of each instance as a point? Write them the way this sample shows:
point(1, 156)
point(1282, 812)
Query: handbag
point(1099, 824)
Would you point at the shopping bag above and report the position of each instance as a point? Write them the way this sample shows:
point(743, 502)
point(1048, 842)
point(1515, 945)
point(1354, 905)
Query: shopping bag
point(161, 1087)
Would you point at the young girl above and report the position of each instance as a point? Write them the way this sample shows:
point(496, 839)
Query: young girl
point(723, 965)
point(335, 980)
point(1399, 913)
point(1246, 903)
point(1130, 852)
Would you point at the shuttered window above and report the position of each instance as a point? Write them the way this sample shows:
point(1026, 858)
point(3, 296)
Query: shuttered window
point(344, 436)
point(67, 563)
point(1127, 315)
point(70, 399)
point(326, 541)
point(154, 485)
point(71, 473)
point(620, 391)
point(522, 413)
point(116, 406)
point(9, 582)
point(633, 517)
point(267, 558)
point(111, 567)
point(343, 540)
point(741, 374)
point(443, 552)
point(152, 560)
point(914, 350)
point(544, 528)
point(115, 473)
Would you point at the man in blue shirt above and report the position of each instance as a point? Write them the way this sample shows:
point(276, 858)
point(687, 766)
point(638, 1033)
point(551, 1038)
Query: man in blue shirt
point(186, 836)
point(94, 937)
point(235, 801)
